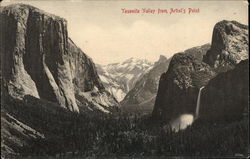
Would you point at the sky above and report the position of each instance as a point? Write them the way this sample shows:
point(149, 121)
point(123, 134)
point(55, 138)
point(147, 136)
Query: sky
point(108, 35)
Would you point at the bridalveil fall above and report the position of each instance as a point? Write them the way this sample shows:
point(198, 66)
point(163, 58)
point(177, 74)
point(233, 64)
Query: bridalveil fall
point(198, 103)
point(185, 120)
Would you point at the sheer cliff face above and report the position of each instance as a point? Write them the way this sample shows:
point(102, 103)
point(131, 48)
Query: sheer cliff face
point(178, 87)
point(83, 71)
point(188, 71)
point(229, 44)
point(38, 58)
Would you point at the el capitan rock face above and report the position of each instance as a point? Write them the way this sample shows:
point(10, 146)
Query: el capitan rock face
point(83, 71)
point(189, 71)
point(39, 59)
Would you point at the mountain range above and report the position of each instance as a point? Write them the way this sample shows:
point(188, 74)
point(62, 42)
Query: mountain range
point(120, 78)
point(141, 97)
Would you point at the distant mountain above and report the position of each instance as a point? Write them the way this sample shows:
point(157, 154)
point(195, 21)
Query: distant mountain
point(224, 90)
point(141, 97)
point(39, 59)
point(120, 78)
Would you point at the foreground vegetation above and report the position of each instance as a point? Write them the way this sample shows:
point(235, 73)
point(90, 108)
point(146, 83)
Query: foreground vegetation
point(101, 135)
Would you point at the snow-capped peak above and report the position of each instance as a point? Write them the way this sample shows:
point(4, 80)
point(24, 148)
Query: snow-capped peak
point(121, 77)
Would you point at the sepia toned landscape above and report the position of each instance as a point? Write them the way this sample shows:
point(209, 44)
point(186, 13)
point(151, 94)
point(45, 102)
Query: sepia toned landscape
point(182, 101)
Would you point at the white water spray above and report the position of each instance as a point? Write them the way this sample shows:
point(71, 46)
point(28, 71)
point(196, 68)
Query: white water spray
point(198, 103)
point(184, 120)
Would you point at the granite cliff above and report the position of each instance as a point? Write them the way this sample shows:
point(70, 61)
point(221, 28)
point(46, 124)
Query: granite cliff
point(39, 59)
point(203, 66)
point(229, 44)
point(178, 87)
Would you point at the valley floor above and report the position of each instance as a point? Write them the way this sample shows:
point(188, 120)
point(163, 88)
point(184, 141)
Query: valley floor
point(97, 135)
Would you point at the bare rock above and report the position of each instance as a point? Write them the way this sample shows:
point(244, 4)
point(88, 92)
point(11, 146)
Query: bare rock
point(229, 44)
point(39, 59)
point(205, 66)
point(178, 87)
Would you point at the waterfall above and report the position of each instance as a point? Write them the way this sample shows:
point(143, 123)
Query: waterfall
point(184, 120)
point(198, 103)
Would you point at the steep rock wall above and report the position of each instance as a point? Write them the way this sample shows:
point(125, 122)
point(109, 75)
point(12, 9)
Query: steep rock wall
point(178, 87)
point(188, 71)
point(39, 59)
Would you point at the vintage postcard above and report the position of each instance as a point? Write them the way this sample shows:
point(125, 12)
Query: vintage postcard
point(124, 79)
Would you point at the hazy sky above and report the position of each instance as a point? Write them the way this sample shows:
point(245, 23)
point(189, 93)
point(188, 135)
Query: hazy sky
point(107, 35)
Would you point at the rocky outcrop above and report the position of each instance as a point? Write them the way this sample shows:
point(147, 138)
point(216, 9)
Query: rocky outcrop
point(120, 78)
point(15, 135)
point(229, 44)
point(39, 59)
point(226, 96)
point(197, 67)
point(178, 87)
point(141, 97)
